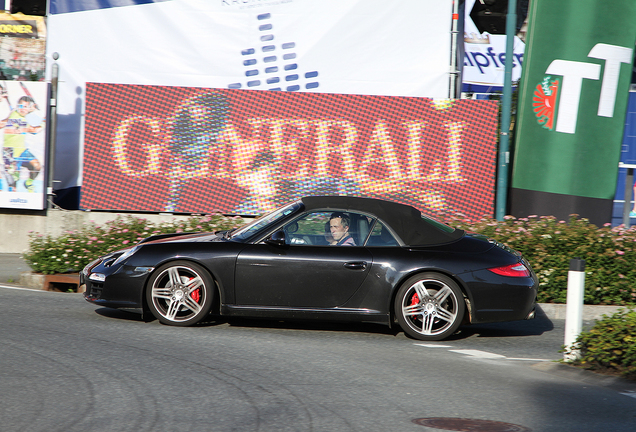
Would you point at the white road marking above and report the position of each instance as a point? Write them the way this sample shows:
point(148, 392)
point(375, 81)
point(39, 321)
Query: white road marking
point(529, 359)
point(479, 354)
point(630, 393)
point(482, 354)
point(433, 346)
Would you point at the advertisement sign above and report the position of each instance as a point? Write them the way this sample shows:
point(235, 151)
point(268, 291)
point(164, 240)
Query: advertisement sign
point(485, 57)
point(22, 47)
point(23, 108)
point(196, 150)
point(366, 47)
point(572, 106)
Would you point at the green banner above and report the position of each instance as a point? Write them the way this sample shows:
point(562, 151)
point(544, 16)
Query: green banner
point(573, 96)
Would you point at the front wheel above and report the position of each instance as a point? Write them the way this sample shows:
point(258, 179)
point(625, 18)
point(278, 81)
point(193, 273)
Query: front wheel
point(180, 293)
point(429, 306)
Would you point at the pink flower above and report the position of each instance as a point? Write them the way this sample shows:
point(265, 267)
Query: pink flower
point(619, 252)
point(126, 242)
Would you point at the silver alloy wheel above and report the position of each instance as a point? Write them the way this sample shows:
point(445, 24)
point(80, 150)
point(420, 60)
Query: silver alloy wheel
point(430, 307)
point(179, 294)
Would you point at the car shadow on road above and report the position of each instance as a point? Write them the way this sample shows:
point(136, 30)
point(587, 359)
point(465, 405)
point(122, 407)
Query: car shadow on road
point(535, 327)
point(121, 314)
point(314, 326)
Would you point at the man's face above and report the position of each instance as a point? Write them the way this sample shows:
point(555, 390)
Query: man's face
point(338, 231)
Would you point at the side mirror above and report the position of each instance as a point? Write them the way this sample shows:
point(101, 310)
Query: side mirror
point(277, 238)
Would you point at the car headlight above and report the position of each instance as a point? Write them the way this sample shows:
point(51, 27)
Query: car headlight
point(127, 253)
point(97, 277)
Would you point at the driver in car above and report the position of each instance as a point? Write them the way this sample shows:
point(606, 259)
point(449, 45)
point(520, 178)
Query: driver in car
point(339, 227)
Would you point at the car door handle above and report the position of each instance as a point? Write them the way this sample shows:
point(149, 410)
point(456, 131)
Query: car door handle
point(356, 265)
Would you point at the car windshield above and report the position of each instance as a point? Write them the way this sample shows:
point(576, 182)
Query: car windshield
point(257, 225)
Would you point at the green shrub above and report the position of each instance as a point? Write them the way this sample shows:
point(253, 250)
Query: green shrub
point(549, 244)
point(73, 250)
point(610, 346)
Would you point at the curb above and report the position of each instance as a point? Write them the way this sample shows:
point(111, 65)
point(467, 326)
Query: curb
point(590, 312)
point(616, 383)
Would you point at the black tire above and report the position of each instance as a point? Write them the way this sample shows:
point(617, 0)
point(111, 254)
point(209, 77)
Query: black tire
point(429, 306)
point(180, 293)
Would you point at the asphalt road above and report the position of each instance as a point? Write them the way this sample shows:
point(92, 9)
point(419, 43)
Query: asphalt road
point(66, 365)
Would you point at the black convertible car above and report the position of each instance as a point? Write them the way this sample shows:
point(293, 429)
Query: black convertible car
point(328, 258)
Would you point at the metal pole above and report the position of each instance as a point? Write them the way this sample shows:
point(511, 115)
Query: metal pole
point(504, 153)
point(52, 129)
point(454, 84)
point(574, 308)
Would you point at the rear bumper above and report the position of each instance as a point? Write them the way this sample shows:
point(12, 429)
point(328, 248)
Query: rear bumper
point(502, 298)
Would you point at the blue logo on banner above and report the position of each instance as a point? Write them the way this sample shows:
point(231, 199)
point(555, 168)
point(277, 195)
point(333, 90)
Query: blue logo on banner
point(68, 6)
point(278, 70)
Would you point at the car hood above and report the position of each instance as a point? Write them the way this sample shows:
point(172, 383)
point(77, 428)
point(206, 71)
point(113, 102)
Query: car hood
point(185, 238)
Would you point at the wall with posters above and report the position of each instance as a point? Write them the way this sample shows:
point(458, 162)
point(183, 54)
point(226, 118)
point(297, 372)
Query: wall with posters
point(365, 47)
point(23, 109)
point(187, 149)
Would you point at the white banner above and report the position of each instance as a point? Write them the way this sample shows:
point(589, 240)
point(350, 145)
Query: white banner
point(368, 47)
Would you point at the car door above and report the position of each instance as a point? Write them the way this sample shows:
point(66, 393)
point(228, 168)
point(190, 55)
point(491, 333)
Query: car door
point(304, 272)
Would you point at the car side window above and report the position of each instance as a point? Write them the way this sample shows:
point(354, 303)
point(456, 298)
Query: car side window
point(329, 228)
point(381, 236)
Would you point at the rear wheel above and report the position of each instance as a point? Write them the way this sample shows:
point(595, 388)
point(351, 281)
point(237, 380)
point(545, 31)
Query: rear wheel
point(429, 306)
point(180, 293)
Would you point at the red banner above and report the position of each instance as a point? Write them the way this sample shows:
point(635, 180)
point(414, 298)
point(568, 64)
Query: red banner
point(193, 150)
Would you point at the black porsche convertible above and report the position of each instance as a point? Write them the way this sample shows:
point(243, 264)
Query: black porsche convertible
point(328, 258)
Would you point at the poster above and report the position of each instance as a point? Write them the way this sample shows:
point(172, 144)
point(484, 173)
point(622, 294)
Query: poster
point(22, 47)
point(23, 109)
point(198, 150)
point(485, 57)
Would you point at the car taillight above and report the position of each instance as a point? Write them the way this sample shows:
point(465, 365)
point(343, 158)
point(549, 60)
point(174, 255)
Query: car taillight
point(513, 270)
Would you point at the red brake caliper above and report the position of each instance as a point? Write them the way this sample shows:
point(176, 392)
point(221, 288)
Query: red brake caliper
point(196, 294)
point(415, 299)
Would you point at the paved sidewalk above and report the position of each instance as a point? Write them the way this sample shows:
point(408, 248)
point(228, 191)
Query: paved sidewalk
point(11, 266)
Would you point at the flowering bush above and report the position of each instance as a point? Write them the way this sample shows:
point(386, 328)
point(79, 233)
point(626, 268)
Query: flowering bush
point(549, 245)
point(609, 346)
point(73, 250)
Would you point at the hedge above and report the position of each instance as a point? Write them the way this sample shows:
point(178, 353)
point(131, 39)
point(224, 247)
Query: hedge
point(547, 243)
point(73, 250)
point(610, 346)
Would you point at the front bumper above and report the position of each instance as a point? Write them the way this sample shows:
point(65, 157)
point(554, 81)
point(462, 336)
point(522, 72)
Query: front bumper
point(119, 286)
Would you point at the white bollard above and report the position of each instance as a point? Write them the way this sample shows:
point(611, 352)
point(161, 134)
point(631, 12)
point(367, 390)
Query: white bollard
point(574, 308)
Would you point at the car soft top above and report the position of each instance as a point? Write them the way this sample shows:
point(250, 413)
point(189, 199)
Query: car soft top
point(406, 221)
